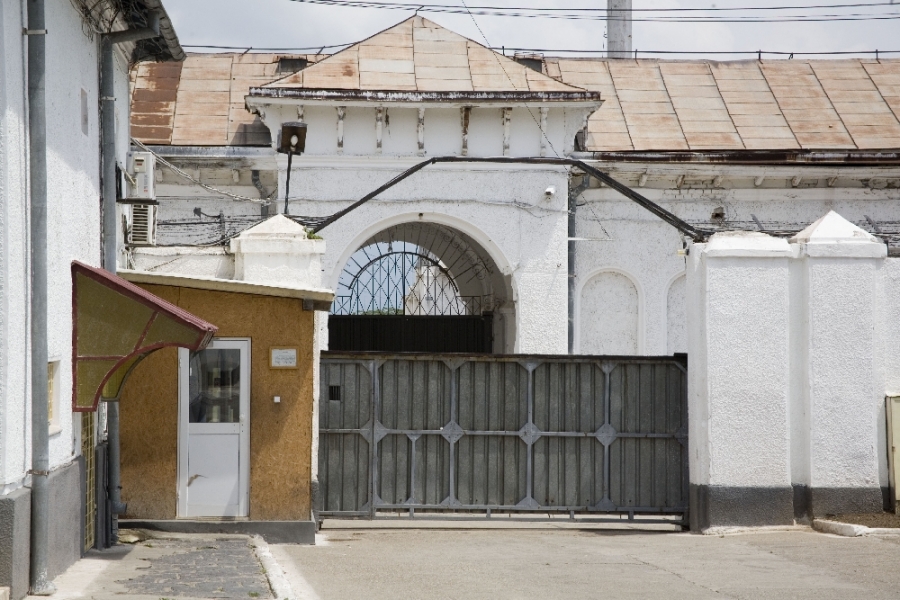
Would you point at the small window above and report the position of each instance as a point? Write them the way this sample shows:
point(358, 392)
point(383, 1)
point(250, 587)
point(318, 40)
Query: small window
point(334, 392)
point(533, 61)
point(53, 397)
point(287, 66)
point(84, 111)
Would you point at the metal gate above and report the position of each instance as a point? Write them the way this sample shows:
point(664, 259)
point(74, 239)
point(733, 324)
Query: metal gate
point(502, 434)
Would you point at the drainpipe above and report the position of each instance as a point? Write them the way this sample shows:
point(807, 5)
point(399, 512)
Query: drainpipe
point(574, 192)
point(110, 253)
point(40, 438)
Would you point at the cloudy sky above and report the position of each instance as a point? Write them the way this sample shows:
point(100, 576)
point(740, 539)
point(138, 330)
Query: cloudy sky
point(287, 23)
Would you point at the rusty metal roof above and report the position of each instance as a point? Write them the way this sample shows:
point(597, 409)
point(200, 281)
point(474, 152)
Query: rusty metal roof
point(200, 101)
point(667, 105)
point(418, 55)
point(649, 105)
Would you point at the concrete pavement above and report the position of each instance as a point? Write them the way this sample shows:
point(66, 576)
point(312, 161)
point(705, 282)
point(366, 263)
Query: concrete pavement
point(510, 560)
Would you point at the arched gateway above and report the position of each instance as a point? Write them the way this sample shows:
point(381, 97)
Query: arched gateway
point(421, 287)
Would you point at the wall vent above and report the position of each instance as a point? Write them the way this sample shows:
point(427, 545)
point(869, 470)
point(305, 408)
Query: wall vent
point(143, 225)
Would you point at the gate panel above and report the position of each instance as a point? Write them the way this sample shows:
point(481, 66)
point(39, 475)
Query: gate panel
point(507, 433)
point(345, 404)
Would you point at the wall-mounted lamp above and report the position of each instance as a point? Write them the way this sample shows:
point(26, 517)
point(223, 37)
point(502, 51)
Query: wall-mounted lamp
point(291, 141)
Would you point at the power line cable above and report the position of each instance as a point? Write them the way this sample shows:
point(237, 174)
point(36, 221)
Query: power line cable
point(500, 64)
point(580, 14)
point(420, 6)
point(593, 51)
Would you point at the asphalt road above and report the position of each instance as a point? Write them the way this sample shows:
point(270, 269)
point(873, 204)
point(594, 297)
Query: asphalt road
point(590, 563)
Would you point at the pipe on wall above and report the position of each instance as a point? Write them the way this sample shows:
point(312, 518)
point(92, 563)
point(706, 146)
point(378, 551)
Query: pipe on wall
point(574, 192)
point(110, 235)
point(40, 435)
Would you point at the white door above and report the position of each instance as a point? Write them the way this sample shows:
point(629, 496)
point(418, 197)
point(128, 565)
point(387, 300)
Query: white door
point(214, 430)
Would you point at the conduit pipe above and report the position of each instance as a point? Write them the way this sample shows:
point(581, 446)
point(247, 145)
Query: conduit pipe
point(574, 192)
point(36, 31)
point(110, 237)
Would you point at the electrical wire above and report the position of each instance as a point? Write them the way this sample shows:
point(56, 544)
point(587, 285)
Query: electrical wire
point(581, 14)
point(603, 52)
point(420, 6)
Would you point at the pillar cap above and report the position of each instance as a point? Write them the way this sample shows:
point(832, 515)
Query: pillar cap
point(746, 244)
point(833, 235)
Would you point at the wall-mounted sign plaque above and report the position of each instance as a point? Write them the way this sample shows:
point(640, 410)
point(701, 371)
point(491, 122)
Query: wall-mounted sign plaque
point(283, 358)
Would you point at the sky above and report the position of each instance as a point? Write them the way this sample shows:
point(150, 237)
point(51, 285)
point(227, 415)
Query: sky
point(286, 23)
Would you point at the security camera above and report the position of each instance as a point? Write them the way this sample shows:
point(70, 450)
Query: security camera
point(550, 192)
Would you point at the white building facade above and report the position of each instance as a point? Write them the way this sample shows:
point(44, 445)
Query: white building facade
point(564, 263)
point(74, 233)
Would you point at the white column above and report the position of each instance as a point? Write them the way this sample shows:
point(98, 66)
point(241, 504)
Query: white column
point(840, 396)
point(278, 252)
point(737, 317)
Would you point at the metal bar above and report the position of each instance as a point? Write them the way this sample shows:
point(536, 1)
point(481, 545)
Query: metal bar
point(373, 444)
point(372, 194)
point(454, 417)
point(683, 226)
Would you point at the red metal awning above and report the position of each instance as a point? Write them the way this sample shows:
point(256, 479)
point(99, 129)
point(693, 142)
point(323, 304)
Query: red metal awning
point(115, 325)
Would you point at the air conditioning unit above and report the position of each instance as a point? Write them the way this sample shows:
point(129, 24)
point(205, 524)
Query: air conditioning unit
point(140, 181)
point(143, 225)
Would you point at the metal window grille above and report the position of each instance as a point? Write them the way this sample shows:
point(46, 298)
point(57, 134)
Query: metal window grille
point(90, 473)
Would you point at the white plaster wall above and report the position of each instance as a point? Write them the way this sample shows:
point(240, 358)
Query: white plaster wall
point(676, 317)
point(359, 131)
point(889, 350)
point(73, 217)
point(609, 304)
point(505, 210)
point(15, 452)
point(740, 380)
point(443, 130)
point(621, 235)
point(399, 135)
point(846, 397)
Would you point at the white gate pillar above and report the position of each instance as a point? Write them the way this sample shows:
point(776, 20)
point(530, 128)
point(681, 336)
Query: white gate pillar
point(839, 397)
point(738, 311)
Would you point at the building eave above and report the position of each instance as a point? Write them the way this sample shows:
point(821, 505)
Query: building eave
point(261, 95)
point(856, 158)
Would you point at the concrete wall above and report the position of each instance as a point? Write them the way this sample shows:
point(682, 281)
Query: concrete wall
point(280, 434)
point(791, 359)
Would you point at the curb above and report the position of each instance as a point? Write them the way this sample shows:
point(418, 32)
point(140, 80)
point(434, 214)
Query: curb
point(850, 530)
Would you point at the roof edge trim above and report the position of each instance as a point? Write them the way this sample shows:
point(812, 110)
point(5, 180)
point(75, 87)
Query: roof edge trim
point(431, 97)
point(752, 157)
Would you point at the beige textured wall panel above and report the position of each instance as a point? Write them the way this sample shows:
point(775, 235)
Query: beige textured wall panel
point(280, 434)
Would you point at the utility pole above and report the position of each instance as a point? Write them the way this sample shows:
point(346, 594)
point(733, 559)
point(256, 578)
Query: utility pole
point(618, 28)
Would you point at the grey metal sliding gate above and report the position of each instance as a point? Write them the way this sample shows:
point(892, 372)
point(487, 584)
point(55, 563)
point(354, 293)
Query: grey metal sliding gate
point(490, 434)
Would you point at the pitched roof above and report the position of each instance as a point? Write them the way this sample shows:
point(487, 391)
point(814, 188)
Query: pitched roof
point(419, 55)
point(200, 102)
point(851, 104)
point(664, 105)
